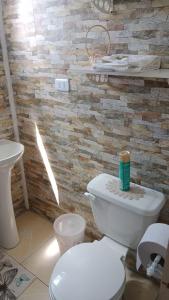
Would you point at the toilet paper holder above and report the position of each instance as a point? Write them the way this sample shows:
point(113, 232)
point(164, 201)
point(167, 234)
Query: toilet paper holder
point(152, 248)
point(154, 268)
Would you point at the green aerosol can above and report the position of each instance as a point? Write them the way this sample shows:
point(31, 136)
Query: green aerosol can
point(124, 170)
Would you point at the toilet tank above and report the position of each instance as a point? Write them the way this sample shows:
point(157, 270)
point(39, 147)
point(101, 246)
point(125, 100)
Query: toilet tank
point(123, 216)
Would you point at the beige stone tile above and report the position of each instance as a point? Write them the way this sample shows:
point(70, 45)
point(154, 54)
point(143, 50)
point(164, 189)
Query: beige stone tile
point(33, 231)
point(36, 291)
point(42, 262)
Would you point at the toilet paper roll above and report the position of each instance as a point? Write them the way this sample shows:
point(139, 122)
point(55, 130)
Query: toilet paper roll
point(154, 241)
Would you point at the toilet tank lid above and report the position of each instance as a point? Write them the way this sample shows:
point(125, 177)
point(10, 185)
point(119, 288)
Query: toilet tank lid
point(139, 199)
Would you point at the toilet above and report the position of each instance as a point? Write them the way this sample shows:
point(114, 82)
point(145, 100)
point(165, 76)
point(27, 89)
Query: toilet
point(95, 271)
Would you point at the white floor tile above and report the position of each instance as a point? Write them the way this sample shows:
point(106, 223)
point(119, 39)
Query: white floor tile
point(42, 262)
point(36, 291)
point(33, 231)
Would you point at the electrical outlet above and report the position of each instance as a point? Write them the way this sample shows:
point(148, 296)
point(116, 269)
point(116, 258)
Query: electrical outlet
point(62, 85)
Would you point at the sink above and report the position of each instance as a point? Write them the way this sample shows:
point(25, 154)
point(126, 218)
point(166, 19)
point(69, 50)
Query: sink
point(10, 153)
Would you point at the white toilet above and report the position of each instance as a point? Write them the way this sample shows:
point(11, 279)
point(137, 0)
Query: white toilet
point(95, 271)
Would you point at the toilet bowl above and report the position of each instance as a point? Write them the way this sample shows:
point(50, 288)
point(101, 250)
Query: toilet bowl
point(95, 271)
point(89, 271)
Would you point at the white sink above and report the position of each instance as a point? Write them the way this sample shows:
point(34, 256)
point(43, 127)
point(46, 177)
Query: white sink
point(10, 153)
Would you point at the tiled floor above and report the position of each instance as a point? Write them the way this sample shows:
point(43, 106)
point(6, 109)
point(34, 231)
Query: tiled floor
point(38, 251)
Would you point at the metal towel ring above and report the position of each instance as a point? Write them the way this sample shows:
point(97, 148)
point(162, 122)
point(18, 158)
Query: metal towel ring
point(93, 56)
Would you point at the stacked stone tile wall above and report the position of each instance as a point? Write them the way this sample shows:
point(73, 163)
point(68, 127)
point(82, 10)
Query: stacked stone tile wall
point(83, 131)
point(6, 132)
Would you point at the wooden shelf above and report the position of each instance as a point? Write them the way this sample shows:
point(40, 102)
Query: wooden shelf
point(161, 73)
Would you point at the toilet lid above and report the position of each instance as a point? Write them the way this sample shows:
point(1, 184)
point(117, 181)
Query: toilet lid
point(88, 272)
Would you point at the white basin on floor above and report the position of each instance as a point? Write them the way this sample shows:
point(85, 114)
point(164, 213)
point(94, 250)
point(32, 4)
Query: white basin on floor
point(10, 153)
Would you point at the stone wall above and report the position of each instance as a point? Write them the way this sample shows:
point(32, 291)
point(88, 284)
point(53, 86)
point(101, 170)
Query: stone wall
point(6, 132)
point(83, 131)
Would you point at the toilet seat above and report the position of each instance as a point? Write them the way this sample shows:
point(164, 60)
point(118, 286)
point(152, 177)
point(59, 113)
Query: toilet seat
point(88, 271)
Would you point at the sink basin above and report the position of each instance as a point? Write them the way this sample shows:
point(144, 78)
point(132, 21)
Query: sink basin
point(10, 153)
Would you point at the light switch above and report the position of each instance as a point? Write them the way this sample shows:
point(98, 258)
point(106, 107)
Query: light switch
point(62, 85)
